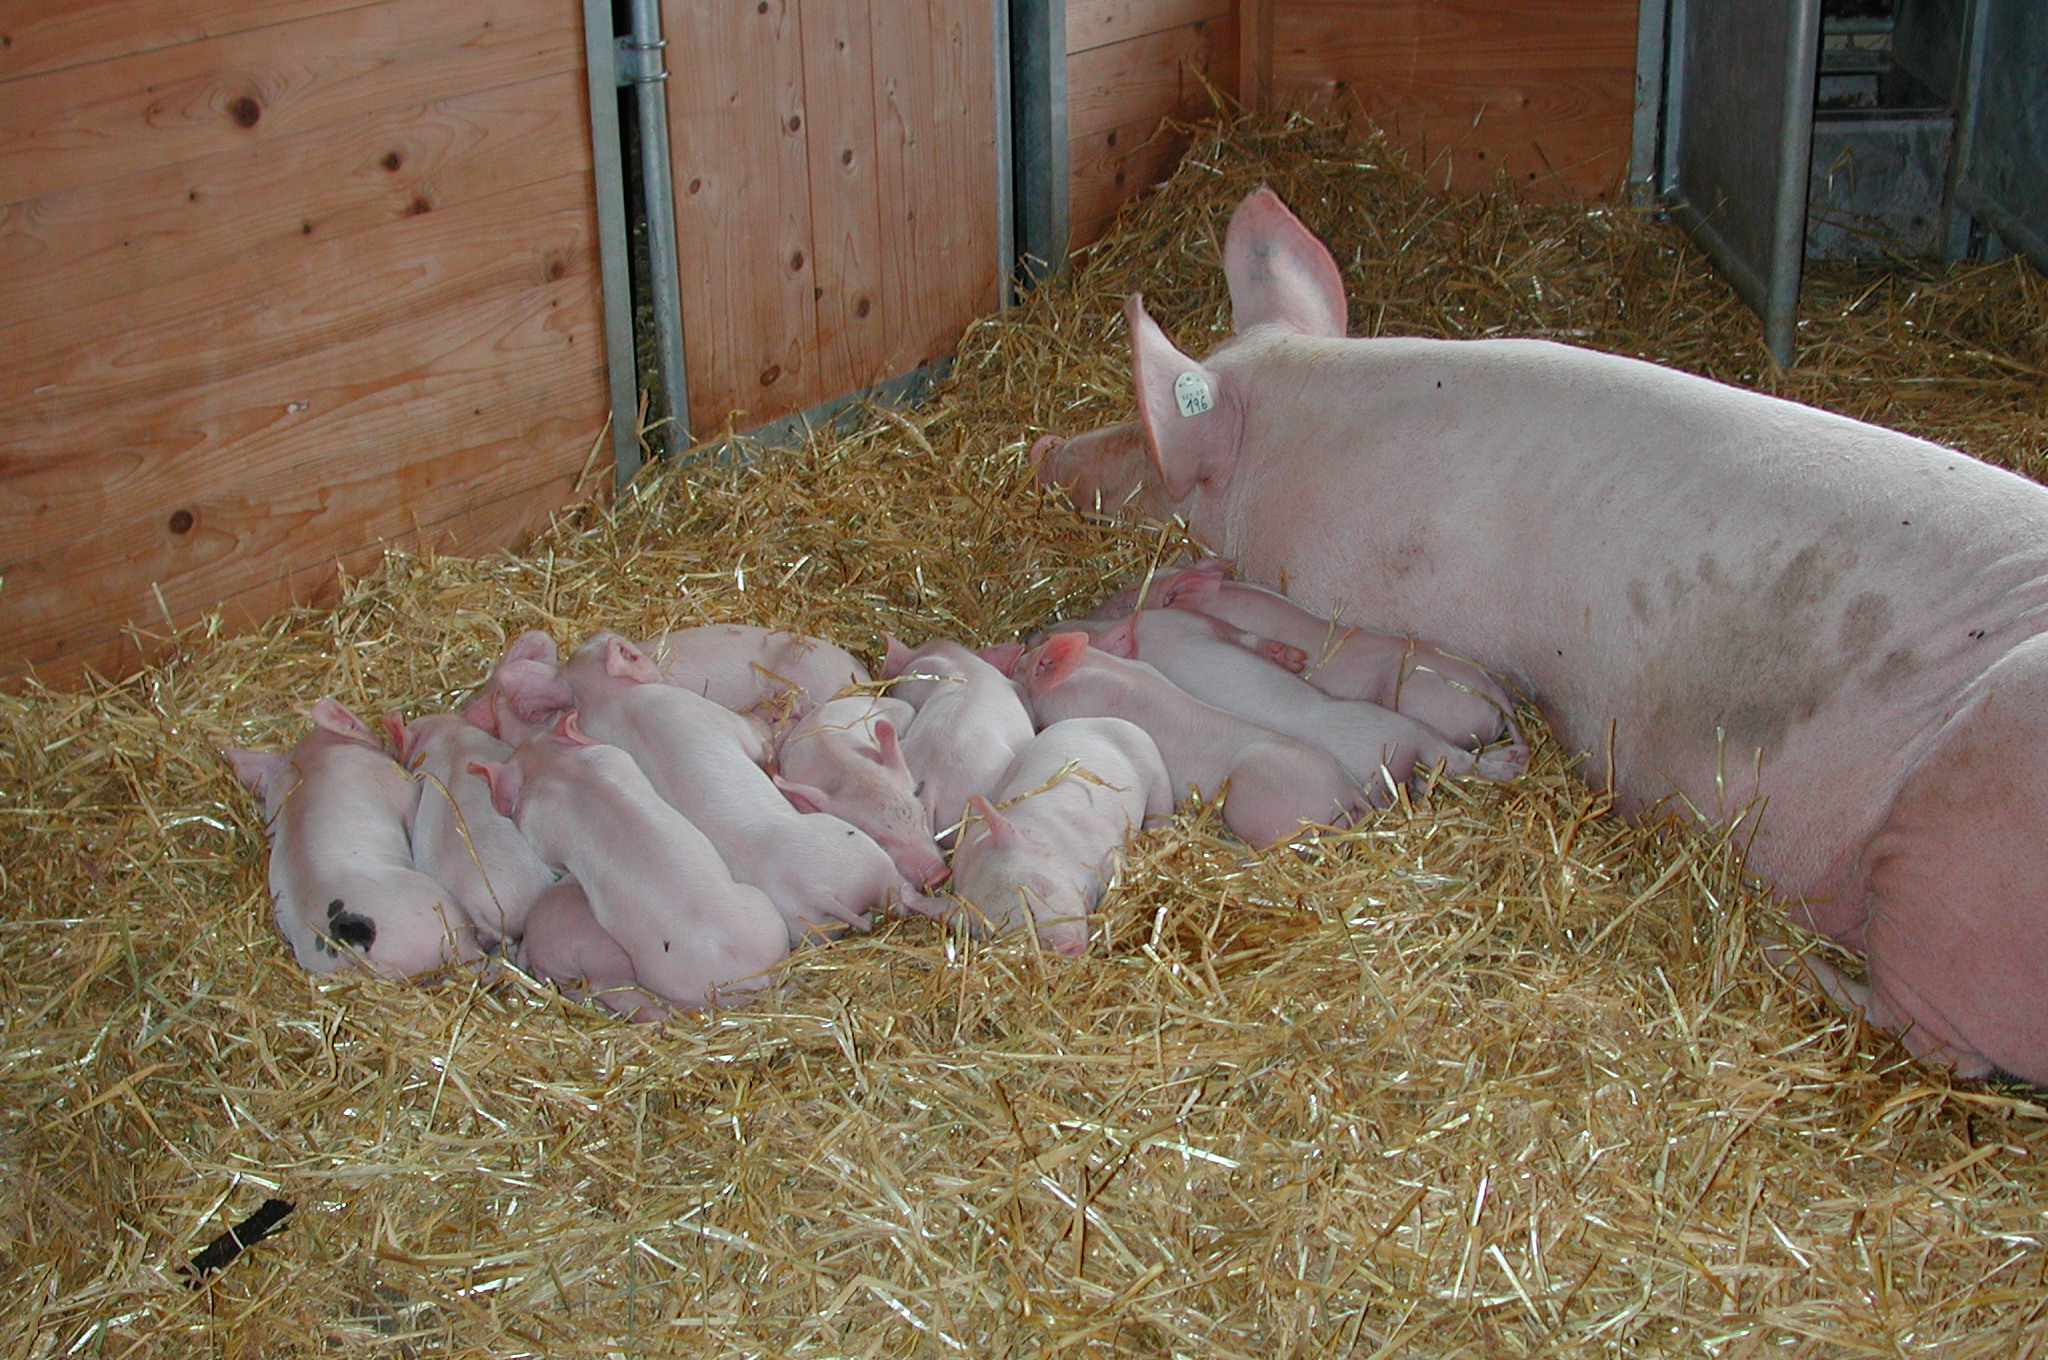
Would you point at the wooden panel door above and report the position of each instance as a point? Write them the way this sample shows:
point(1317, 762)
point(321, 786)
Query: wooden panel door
point(837, 207)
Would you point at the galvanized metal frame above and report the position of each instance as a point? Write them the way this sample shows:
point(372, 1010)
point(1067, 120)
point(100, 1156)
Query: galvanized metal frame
point(1769, 284)
point(650, 84)
point(2001, 54)
point(1038, 89)
point(613, 252)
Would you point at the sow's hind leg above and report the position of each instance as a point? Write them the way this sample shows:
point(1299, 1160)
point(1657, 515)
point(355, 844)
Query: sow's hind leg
point(1957, 932)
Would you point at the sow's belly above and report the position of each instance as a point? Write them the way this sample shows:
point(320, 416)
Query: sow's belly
point(1782, 690)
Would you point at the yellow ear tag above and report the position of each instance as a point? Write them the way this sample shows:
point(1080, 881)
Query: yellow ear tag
point(1191, 394)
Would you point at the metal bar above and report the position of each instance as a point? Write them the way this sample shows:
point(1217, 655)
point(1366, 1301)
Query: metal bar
point(905, 389)
point(1648, 127)
point(1795, 170)
point(657, 192)
point(1006, 154)
point(614, 256)
point(1038, 85)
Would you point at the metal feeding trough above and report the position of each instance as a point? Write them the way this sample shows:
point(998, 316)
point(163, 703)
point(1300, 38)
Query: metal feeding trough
point(1778, 131)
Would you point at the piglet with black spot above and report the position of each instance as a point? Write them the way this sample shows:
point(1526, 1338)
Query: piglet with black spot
point(342, 881)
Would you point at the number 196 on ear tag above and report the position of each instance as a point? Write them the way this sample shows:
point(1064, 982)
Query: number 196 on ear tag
point(1191, 393)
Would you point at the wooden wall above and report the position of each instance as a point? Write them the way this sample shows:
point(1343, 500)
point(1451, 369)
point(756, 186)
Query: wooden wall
point(1130, 64)
point(280, 282)
point(1542, 91)
point(836, 194)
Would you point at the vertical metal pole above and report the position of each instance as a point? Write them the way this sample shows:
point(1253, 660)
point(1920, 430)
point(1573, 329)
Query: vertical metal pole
point(1795, 169)
point(649, 79)
point(1650, 103)
point(613, 254)
point(1038, 82)
point(1006, 154)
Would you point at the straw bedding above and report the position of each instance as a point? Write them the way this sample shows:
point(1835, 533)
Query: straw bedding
point(1492, 1075)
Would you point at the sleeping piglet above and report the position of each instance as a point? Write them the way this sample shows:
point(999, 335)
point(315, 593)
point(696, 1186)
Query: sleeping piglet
point(1072, 800)
point(1414, 678)
point(846, 758)
point(342, 881)
point(565, 945)
point(458, 838)
point(970, 725)
point(744, 667)
point(705, 760)
point(1376, 746)
point(1275, 782)
point(695, 937)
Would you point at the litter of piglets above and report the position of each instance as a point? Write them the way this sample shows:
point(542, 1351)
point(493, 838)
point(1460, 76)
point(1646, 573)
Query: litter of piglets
point(658, 826)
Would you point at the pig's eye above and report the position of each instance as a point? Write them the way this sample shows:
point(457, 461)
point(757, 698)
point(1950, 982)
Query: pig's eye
point(918, 792)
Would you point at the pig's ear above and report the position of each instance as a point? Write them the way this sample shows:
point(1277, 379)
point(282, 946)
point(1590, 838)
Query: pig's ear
point(571, 731)
point(895, 656)
point(1121, 640)
point(802, 797)
point(1190, 589)
point(505, 781)
point(481, 712)
point(535, 690)
point(532, 645)
point(622, 660)
point(256, 768)
point(334, 715)
point(1004, 656)
point(888, 751)
point(998, 828)
point(1280, 274)
point(395, 733)
point(1191, 424)
point(1057, 659)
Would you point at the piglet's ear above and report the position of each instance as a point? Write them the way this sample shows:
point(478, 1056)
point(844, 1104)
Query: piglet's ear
point(1190, 420)
point(256, 768)
point(802, 797)
point(888, 749)
point(532, 645)
point(395, 733)
point(1279, 273)
point(1121, 640)
point(334, 715)
point(895, 656)
point(622, 660)
point(1004, 656)
point(998, 828)
point(1057, 659)
point(505, 781)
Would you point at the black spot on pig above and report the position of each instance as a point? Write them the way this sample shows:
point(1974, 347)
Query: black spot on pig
point(349, 928)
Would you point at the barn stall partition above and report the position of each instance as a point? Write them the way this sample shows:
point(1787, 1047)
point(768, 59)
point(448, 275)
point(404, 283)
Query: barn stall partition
point(289, 283)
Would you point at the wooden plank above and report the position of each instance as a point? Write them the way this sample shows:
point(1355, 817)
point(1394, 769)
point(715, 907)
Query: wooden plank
point(1541, 91)
point(479, 293)
point(113, 118)
point(1557, 134)
point(1109, 169)
point(1255, 55)
point(367, 488)
point(1098, 23)
point(1151, 76)
point(45, 35)
point(97, 241)
point(1390, 37)
point(104, 647)
point(169, 342)
point(853, 342)
point(738, 152)
point(935, 122)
